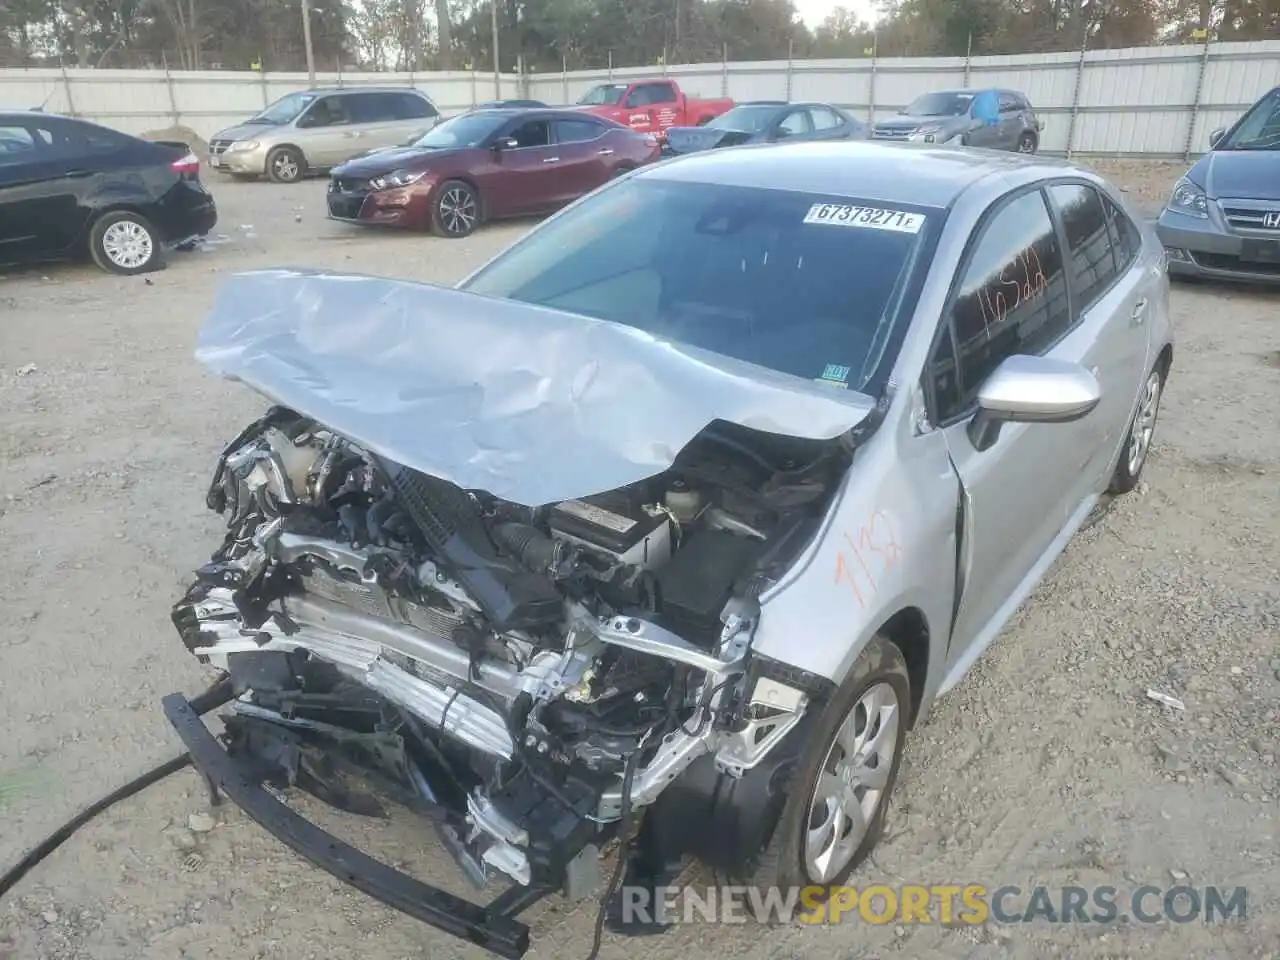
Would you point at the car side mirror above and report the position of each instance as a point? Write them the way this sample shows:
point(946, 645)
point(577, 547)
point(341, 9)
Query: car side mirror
point(1216, 136)
point(505, 143)
point(1025, 389)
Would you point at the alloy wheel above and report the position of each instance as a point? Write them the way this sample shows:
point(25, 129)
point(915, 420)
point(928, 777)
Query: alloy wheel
point(851, 783)
point(458, 210)
point(286, 167)
point(1144, 424)
point(127, 244)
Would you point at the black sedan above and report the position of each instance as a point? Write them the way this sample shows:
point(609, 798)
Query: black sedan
point(767, 121)
point(68, 187)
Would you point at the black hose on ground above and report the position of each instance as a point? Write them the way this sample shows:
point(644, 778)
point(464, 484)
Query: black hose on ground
point(211, 699)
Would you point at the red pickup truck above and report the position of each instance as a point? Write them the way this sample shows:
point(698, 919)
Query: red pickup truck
point(650, 106)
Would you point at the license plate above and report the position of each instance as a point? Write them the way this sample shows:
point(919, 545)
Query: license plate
point(215, 161)
point(1260, 251)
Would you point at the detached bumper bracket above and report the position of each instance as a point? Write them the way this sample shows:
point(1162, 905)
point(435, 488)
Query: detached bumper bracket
point(492, 927)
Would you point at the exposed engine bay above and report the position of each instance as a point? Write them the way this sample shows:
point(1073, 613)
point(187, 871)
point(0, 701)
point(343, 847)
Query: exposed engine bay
point(527, 675)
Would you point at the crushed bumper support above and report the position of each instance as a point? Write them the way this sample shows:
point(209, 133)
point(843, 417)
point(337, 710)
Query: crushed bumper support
point(492, 927)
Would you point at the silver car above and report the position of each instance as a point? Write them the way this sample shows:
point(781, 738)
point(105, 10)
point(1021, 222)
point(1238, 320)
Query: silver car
point(689, 504)
point(1222, 220)
point(989, 118)
point(315, 130)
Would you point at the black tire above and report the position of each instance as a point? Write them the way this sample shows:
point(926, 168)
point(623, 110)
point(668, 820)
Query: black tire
point(455, 212)
point(1027, 143)
point(286, 165)
point(125, 243)
point(1128, 472)
point(782, 865)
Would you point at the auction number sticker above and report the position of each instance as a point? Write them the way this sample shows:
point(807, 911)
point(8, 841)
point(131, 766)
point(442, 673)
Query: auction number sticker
point(847, 215)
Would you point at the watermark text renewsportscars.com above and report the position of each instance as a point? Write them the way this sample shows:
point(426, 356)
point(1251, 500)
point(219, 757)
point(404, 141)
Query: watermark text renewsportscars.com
point(945, 904)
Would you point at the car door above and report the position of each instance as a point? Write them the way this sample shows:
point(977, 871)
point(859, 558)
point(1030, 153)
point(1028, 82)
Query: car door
point(653, 106)
point(984, 120)
point(25, 204)
point(43, 178)
point(1111, 299)
point(1010, 127)
point(1010, 298)
point(585, 159)
point(529, 177)
point(794, 124)
point(325, 133)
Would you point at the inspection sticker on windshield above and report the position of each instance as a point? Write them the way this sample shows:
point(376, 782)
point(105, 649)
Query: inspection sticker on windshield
point(847, 215)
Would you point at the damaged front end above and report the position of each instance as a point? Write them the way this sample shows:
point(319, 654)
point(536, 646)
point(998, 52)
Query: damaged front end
point(528, 678)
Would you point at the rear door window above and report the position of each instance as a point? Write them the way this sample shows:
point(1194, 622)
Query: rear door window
point(1125, 238)
point(794, 123)
point(1093, 266)
point(577, 131)
point(411, 106)
point(823, 119)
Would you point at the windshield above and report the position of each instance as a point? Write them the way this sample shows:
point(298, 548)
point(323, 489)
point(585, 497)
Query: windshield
point(746, 119)
point(801, 283)
point(285, 110)
point(939, 105)
point(467, 130)
point(1260, 128)
point(606, 93)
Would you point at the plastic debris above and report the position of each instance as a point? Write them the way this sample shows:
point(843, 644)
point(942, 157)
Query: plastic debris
point(1167, 700)
point(27, 369)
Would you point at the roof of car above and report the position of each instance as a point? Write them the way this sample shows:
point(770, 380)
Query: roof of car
point(534, 112)
point(380, 88)
point(885, 172)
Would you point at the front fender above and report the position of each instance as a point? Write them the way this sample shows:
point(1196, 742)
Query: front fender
point(888, 544)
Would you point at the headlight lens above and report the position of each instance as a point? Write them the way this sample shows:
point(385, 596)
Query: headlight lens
point(1189, 199)
point(397, 178)
point(240, 146)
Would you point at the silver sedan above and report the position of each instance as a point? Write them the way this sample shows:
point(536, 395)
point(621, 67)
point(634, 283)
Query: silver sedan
point(692, 501)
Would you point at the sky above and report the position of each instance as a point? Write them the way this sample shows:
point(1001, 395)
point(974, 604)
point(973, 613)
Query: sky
point(813, 12)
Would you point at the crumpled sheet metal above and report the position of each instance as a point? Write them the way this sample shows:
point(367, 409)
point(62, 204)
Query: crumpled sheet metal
point(529, 404)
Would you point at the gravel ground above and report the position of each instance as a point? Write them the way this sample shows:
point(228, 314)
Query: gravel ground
point(1047, 765)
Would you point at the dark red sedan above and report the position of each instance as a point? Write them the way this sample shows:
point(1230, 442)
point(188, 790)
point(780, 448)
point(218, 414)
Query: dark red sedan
point(486, 165)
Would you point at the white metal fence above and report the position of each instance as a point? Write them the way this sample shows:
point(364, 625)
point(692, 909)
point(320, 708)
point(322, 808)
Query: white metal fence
point(1158, 102)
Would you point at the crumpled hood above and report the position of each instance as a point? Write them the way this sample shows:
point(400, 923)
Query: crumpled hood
point(1238, 174)
point(530, 404)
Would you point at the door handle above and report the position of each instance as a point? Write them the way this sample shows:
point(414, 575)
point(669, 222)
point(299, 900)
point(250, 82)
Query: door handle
point(1139, 313)
point(77, 174)
point(551, 160)
point(605, 153)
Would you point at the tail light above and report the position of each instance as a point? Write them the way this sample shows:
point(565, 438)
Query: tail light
point(188, 164)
